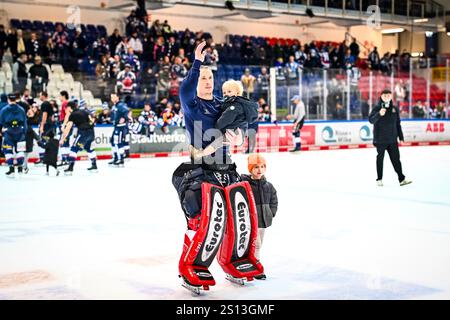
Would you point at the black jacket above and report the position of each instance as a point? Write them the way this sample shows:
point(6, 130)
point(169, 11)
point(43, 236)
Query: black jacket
point(266, 200)
point(51, 147)
point(387, 128)
point(237, 112)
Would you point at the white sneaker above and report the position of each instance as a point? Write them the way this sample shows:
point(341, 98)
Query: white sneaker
point(405, 182)
point(380, 183)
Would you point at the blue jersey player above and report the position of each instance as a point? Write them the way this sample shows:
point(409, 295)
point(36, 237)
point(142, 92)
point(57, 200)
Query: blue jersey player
point(13, 122)
point(119, 116)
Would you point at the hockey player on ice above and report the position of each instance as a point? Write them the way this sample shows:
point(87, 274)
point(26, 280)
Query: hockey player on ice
point(218, 206)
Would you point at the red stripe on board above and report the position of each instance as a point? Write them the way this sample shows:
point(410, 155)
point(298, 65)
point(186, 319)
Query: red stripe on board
point(270, 150)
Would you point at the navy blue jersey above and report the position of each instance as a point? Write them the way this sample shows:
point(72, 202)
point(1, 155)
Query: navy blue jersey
point(120, 112)
point(202, 112)
point(13, 119)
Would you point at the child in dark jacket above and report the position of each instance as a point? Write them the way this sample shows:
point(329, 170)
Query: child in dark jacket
point(51, 146)
point(265, 198)
point(237, 113)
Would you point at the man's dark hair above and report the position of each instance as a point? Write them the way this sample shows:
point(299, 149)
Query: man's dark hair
point(65, 94)
point(44, 93)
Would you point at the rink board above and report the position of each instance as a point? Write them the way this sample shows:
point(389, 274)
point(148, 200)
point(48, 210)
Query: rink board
point(315, 135)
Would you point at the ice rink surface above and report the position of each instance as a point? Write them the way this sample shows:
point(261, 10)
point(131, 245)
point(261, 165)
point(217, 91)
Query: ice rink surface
point(118, 234)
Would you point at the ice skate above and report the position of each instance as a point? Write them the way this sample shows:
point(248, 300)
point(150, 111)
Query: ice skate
point(10, 173)
point(240, 281)
point(261, 277)
point(69, 170)
point(194, 289)
point(93, 168)
point(405, 182)
point(119, 164)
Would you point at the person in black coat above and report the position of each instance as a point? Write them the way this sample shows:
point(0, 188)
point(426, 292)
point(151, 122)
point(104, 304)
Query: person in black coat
point(385, 118)
point(51, 146)
point(265, 196)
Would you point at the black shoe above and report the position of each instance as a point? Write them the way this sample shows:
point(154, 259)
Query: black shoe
point(260, 277)
point(112, 162)
point(294, 150)
point(10, 173)
point(20, 169)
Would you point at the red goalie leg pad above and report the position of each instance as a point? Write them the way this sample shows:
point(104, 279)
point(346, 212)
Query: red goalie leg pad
point(201, 246)
point(237, 252)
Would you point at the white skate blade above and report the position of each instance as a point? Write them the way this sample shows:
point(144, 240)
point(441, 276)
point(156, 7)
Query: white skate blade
point(194, 289)
point(239, 281)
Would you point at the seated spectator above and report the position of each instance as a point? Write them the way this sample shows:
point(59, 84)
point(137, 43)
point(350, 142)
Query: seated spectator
point(126, 81)
point(441, 110)
point(174, 88)
point(374, 59)
point(115, 66)
point(105, 116)
point(167, 118)
point(38, 75)
point(179, 69)
point(418, 110)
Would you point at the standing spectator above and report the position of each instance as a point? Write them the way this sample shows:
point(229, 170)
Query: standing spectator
point(172, 48)
point(212, 58)
point(19, 73)
point(48, 52)
point(374, 59)
point(11, 42)
point(39, 76)
point(115, 66)
point(159, 49)
point(292, 68)
point(64, 97)
point(102, 72)
point(335, 62)
point(135, 43)
point(3, 43)
point(419, 110)
point(163, 84)
point(79, 45)
point(60, 40)
point(349, 60)
point(21, 48)
point(354, 49)
point(263, 81)
point(248, 82)
point(33, 47)
point(247, 51)
point(114, 40)
point(132, 59)
point(122, 47)
point(100, 48)
point(440, 109)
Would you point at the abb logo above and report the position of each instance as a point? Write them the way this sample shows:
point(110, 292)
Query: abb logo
point(435, 127)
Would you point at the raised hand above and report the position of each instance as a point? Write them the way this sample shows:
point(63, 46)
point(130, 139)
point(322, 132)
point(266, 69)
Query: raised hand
point(199, 55)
